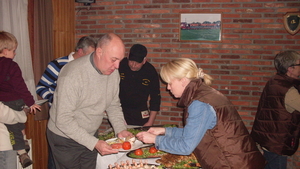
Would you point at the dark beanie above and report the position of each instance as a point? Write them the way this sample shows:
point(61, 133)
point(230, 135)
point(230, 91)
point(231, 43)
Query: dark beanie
point(137, 53)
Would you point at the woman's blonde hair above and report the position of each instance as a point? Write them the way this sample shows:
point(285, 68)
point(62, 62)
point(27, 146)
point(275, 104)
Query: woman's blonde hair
point(7, 41)
point(183, 67)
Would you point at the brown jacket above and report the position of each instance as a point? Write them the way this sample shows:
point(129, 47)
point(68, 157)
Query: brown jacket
point(228, 144)
point(274, 127)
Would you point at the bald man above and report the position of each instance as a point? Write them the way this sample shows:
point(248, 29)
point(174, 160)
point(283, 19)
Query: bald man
point(86, 88)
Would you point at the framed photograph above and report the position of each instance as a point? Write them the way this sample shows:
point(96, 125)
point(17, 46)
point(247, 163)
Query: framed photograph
point(200, 27)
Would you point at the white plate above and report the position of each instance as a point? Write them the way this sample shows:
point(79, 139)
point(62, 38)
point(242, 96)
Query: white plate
point(137, 144)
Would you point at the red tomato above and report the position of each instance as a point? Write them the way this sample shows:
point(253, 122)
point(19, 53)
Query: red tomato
point(138, 152)
point(126, 145)
point(152, 150)
point(116, 145)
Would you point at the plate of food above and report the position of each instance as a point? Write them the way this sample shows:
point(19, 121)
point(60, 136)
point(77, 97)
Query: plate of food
point(172, 161)
point(125, 144)
point(145, 152)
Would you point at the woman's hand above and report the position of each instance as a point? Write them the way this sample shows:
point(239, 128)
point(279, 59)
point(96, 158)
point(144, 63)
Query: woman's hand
point(146, 137)
point(157, 130)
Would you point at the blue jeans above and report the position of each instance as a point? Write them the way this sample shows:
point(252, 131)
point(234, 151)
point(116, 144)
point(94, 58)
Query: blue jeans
point(275, 161)
point(8, 159)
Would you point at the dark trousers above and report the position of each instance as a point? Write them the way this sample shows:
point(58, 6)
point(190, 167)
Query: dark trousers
point(16, 135)
point(51, 164)
point(68, 154)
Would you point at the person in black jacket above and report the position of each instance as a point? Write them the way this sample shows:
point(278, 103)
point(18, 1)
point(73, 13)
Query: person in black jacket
point(139, 88)
point(277, 123)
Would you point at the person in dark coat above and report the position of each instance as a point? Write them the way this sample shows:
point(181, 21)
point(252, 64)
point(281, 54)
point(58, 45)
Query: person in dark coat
point(276, 126)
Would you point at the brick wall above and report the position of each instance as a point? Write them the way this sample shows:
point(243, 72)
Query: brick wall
point(252, 33)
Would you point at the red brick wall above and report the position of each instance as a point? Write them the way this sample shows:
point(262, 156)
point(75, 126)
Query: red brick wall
point(252, 33)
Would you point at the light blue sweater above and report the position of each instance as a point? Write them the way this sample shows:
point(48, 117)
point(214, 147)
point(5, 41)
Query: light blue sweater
point(183, 141)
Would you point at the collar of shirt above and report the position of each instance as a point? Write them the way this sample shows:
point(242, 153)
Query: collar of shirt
point(93, 63)
point(70, 58)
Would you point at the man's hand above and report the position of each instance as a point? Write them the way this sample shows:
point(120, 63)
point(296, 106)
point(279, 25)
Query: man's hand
point(104, 149)
point(124, 134)
point(148, 124)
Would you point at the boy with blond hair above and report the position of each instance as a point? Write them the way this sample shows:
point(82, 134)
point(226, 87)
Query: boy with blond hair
point(14, 93)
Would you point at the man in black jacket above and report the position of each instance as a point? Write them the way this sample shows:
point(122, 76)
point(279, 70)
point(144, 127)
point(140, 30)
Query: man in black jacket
point(139, 88)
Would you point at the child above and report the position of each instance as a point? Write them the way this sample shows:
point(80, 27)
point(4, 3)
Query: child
point(14, 93)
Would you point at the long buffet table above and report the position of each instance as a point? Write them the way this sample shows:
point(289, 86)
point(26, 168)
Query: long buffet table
point(104, 161)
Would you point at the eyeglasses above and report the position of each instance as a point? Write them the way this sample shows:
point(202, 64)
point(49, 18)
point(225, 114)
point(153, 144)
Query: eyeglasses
point(295, 65)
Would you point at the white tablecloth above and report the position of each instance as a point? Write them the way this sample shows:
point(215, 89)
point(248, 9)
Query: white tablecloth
point(104, 161)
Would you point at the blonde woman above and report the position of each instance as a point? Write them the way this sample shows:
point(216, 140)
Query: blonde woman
point(213, 131)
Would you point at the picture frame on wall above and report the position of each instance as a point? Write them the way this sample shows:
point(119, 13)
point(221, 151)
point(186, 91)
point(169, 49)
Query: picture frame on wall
point(206, 27)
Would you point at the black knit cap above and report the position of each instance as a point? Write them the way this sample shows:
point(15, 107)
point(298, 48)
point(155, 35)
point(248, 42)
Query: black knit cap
point(137, 53)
